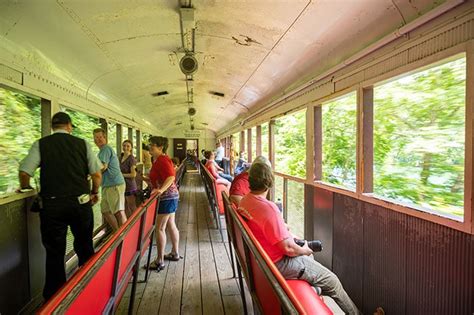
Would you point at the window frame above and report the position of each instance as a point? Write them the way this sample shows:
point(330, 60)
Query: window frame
point(10, 197)
point(364, 146)
point(318, 137)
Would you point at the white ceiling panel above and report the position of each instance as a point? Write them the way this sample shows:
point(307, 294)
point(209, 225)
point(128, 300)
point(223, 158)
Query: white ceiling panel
point(123, 51)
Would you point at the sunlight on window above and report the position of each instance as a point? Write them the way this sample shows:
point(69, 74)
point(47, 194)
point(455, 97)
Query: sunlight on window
point(339, 141)
point(419, 123)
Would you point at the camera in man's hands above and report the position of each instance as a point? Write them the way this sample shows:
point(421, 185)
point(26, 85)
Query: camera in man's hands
point(316, 246)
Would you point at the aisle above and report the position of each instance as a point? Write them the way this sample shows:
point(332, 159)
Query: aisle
point(202, 282)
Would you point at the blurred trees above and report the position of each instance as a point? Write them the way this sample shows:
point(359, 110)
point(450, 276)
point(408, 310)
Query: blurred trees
point(290, 144)
point(20, 126)
point(419, 123)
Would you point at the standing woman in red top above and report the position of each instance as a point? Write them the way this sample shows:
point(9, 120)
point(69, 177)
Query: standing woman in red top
point(162, 179)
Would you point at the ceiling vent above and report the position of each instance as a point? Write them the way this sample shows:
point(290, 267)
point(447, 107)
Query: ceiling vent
point(191, 111)
point(188, 64)
point(160, 93)
point(219, 94)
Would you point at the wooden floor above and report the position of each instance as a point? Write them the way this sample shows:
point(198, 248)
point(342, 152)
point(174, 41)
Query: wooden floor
point(202, 282)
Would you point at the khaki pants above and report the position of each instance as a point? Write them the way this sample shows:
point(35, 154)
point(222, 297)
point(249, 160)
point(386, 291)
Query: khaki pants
point(113, 199)
point(318, 276)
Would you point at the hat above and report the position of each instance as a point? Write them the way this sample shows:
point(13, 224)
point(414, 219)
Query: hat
point(61, 118)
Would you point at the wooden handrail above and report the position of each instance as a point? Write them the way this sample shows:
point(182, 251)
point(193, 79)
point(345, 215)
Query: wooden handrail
point(63, 298)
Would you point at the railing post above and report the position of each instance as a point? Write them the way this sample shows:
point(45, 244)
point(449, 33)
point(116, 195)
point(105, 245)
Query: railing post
point(118, 142)
point(249, 145)
point(258, 150)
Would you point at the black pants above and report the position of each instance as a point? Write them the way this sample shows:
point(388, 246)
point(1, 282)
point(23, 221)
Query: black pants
point(56, 216)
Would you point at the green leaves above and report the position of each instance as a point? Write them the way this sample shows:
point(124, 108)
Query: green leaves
point(419, 138)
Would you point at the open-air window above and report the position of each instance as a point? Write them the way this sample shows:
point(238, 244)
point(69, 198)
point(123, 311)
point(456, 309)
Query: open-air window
point(419, 138)
point(339, 128)
point(85, 126)
point(19, 128)
point(290, 144)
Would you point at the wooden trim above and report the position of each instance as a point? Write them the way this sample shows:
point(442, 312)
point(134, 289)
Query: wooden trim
point(249, 145)
point(138, 143)
point(258, 149)
point(318, 142)
point(365, 146)
point(469, 141)
point(309, 120)
point(242, 141)
point(398, 207)
point(46, 116)
point(118, 141)
point(293, 178)
point(14, 196)
point(416, 66)
point(232, 153)
point(104, 125)
point(271, 142)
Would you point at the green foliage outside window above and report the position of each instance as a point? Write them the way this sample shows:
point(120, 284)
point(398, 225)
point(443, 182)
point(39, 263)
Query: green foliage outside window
point(134, 141)
point(290, 144)
point(112, 135)
point(419, 123)
point(236, 143)
point(339, 141)
point(295, 214)
point(85, 126)
point(19, 128)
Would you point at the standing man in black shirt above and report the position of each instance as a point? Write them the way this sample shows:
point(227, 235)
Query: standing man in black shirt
point(65, 162)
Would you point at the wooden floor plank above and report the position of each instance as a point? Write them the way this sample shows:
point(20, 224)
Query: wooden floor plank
point(211, 296)
point(202, 282)
point(171, 298)
point(191, 302)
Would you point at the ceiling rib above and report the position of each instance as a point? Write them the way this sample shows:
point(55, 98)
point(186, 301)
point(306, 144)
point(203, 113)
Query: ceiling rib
point(263, 60)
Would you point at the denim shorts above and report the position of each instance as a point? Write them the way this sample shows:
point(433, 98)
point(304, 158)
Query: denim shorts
point(167, 206)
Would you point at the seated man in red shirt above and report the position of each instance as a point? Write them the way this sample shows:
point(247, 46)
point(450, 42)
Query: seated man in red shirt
point(293, 261)
point(240, 186)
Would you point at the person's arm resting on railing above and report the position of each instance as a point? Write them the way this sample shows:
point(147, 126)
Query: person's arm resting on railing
point(166, 184)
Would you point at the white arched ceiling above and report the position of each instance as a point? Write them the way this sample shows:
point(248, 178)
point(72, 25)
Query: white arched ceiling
point(124, 51)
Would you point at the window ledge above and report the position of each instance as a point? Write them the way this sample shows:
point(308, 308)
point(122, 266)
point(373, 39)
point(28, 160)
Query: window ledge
point(409, 209)
point(14, 196)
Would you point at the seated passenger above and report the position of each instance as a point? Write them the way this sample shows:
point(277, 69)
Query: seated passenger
point(212, 168)
point(293, 261)
point(203, 157)
point(239, 168)
point(240, 185)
